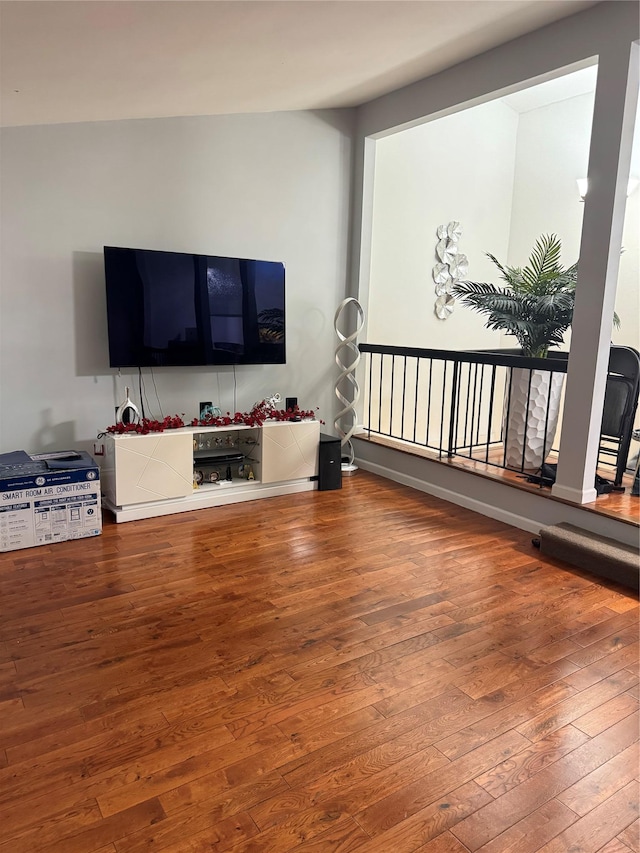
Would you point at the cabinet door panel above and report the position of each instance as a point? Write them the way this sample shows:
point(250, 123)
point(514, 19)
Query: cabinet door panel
point(153, 467)
point(289, 451)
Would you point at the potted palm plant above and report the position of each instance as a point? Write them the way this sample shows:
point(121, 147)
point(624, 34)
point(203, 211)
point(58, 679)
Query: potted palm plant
point(535, 305)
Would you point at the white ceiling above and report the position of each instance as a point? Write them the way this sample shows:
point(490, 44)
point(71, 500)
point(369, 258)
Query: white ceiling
point(96, 60)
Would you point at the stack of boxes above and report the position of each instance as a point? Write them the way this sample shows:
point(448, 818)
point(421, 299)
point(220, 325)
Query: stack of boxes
point(48, 498)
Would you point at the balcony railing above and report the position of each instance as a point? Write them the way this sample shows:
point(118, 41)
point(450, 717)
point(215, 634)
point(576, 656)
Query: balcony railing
point(471, 405)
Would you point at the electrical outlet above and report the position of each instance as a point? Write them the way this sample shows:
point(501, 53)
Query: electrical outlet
point(98, 449)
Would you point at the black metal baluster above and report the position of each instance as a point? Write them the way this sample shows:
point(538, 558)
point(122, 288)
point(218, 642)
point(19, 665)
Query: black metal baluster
point(490, 418)
point(382, 359)
point(429, 402)
point(526, 422)
point(393, 377)
point(546, 420)
point(370, 391)
point(404, 395)
point(473, 409)
point(415, 407)
point(466, 408)
point(505, 421)
point(453, 414)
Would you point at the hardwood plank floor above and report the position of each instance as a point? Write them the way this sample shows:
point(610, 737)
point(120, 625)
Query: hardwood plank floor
point(369, 670)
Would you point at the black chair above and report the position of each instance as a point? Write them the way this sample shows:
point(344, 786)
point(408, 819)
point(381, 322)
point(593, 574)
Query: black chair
point(620, 404)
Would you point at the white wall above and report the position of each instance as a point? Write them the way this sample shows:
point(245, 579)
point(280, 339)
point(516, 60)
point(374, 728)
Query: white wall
point(459, 167)
point(552, 153)
point(271, 186)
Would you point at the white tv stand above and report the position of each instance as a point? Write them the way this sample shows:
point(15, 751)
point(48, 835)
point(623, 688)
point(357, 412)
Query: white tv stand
point(144, 476)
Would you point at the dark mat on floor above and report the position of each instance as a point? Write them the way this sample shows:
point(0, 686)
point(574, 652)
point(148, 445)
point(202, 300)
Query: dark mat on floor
point(591, 552)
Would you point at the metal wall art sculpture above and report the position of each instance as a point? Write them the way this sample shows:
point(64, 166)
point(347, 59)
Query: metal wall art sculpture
point(452, 266)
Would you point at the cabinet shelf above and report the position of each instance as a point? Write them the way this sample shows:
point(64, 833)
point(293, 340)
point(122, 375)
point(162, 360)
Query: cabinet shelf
point(204, 457)
point(237, 482)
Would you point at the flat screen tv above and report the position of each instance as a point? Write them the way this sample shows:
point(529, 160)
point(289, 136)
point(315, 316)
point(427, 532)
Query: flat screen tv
point(176, 309)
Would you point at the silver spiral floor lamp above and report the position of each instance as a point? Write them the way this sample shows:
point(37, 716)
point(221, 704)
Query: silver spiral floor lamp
point(346, 387)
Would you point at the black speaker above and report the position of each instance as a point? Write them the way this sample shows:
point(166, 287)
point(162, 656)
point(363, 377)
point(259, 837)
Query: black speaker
point(329, 463)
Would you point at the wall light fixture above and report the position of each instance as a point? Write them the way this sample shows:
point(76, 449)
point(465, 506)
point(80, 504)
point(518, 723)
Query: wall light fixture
point(583, 186)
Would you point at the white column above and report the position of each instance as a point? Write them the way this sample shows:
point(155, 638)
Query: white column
point(609, 161)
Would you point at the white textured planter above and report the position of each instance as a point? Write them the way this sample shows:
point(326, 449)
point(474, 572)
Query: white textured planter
point(533, 410)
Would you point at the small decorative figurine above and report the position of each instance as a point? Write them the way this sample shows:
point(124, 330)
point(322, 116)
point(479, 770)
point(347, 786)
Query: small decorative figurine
point(127, 412)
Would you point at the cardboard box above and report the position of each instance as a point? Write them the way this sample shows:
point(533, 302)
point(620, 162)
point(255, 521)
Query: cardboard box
point(48, 498)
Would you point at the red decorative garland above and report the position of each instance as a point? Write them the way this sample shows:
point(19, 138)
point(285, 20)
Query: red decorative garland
point(256, 417)
point(146, 425)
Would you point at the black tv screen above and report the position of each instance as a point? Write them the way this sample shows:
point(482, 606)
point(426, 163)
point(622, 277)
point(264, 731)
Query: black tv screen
point(174, 309)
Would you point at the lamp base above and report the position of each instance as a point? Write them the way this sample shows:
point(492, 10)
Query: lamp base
point(348, 468)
